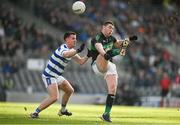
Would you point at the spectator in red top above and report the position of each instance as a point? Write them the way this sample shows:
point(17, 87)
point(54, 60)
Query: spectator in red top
point(166, 55)
point(165, 85)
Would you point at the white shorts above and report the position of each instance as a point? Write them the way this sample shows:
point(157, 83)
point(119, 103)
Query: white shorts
point(51, 80)
point(111, 69)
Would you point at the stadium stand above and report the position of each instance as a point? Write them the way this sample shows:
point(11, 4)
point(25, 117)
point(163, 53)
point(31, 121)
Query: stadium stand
point(156, 25)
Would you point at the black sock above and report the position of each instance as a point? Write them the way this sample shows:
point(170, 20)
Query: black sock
point(63, 105)
point(109, 102)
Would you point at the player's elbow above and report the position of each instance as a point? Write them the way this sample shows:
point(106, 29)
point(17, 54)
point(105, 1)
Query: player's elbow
point(81, 62)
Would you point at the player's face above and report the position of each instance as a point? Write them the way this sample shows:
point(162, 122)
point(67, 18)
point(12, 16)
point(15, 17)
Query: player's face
point(108, 29)
point(71, 40)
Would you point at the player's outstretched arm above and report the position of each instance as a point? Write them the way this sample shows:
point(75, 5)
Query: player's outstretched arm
point(73, 52)
point(80, 60)
point(125, 42)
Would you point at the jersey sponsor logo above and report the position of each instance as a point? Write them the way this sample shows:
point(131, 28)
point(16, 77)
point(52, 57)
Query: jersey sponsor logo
point(104, 41)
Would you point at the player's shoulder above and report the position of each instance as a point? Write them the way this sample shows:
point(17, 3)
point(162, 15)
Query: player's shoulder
point(112, 38)
point(63, 47)
point(98, 36)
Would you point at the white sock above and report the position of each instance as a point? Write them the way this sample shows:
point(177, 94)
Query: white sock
point(63, 109)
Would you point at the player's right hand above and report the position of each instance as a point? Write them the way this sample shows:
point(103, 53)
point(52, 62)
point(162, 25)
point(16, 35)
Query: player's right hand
point(108, 55)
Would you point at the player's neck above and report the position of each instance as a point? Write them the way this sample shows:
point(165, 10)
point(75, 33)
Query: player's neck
point(104, 34)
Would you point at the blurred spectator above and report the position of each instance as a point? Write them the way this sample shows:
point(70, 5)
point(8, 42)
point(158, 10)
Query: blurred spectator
point(2, 33)
point(127, 96)
point(165, 83)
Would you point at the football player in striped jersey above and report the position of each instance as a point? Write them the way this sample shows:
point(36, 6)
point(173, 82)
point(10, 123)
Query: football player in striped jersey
point(52, 75)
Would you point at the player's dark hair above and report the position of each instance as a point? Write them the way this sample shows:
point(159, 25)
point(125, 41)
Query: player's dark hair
point(108, 22)
point(67, 34)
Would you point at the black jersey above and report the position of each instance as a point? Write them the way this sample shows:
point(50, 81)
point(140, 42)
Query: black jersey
point(107, 43)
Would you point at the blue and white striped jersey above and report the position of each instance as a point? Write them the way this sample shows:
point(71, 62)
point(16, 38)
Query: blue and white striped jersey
point(57, 62)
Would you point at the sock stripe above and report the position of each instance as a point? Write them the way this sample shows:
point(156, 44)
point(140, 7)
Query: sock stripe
point(38, 110)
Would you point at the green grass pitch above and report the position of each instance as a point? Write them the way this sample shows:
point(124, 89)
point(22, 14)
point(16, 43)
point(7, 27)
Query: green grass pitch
point(15, 113)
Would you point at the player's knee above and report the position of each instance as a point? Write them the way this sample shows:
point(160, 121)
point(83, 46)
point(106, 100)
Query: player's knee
point(71, 91)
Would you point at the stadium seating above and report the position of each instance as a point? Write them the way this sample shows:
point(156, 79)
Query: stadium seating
point(148, 58)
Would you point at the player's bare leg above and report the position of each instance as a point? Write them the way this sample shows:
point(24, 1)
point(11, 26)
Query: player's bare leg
point(111, 80)
point(111, 83)
point(68, 91)
point(53, 96)
point(101, 63)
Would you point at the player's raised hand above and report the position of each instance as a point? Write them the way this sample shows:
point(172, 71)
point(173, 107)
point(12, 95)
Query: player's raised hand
point(81, 48)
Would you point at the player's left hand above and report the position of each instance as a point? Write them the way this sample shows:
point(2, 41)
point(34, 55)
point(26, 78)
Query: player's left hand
point(81, 48)
point(89, 53)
